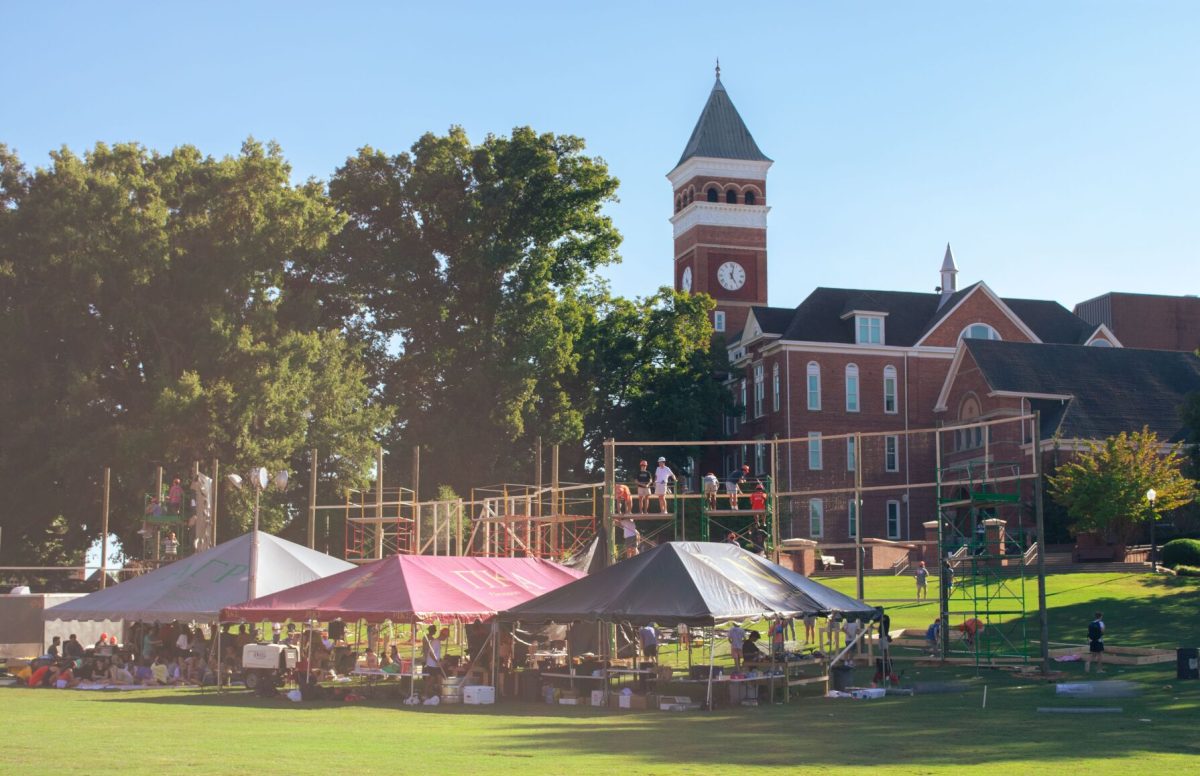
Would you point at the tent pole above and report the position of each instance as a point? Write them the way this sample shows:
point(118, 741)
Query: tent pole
point(495, 651)
point(712, 643)
point(220, 654)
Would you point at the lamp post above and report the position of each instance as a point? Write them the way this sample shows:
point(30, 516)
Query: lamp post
point(1151, 495)
point(259, 479)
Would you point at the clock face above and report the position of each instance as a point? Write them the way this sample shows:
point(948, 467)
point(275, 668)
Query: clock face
point(687, 279)
point(731, 276)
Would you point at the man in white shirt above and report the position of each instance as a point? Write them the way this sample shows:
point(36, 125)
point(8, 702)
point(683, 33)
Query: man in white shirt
point(662, 476)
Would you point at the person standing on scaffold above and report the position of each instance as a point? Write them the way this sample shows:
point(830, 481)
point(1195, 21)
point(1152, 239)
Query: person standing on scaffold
point(662, 477)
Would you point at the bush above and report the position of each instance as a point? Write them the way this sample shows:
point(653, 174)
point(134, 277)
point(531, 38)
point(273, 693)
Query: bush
point(1181, 551)
point(1187, 571)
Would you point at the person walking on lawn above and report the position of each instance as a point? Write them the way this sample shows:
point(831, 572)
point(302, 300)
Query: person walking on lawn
point(1095, 644)
point(922, 576)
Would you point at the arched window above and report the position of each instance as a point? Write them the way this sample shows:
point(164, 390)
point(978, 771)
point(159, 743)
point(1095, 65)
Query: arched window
point(979, 331)
point(851, 388)
point(969, 437)
point(814, 385)
point(730, 197)
point(749, 198)
point(678, 204)
point(712, 194)
point(889, 389)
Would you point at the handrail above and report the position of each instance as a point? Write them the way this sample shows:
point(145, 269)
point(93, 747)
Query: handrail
point(1030, 555)
point(900, 566)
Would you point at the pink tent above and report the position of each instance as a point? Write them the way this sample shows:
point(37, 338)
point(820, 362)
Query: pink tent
point(411, 588)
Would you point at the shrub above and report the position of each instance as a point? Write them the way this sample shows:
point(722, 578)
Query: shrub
point(1181, 551)
point(1187, 571)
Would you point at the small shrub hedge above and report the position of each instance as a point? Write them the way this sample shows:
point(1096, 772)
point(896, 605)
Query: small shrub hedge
point(1184, 552)
point(1187, 571)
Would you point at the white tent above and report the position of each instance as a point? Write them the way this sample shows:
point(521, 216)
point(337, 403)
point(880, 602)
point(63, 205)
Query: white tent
point(199, 586)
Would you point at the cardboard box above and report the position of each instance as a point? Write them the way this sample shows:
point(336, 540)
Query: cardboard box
point(631, 702)
point(568, 701)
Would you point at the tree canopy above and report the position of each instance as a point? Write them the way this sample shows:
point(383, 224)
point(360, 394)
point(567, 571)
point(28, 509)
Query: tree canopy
point(144, 319)
point(165, 308)
point(1104, 488)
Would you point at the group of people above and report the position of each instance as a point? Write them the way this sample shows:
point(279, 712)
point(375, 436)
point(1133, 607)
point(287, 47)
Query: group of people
point(154, 655)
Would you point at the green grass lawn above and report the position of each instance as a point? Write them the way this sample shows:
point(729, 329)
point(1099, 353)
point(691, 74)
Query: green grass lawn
point(200, 732)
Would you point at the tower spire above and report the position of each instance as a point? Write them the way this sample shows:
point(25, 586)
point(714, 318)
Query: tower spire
point(949, 275)
point(718, 68)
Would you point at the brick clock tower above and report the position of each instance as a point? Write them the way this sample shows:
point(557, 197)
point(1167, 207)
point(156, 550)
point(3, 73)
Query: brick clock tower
point(720, 220)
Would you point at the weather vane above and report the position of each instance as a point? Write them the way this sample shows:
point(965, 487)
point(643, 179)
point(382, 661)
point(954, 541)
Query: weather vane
point(718, 68)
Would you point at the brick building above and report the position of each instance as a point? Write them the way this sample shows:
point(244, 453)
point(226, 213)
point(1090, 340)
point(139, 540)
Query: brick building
point(844, 360)
point(1146, 320)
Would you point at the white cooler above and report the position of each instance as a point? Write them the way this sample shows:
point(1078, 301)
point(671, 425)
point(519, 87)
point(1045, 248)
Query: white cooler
point(479, 694)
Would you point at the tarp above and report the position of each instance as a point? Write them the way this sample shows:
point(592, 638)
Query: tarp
point(198, 586)
point(696, 583)
point(410, 588)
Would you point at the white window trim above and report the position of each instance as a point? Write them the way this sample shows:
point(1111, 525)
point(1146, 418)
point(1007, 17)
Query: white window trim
point(819, 514)
point(858, 322)
point(813, 370)
point(995, 335)
point(775, 387)
point(889, 373)
point(852, 518)
point(719, 320)
point(887, 517)
point(814, 445)
point(895, 441)
point(759, 389)
point(852, 375)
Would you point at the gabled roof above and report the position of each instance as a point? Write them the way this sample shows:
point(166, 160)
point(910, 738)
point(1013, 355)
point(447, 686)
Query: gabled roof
point(819, 317)
point(909, 316)
point(720, 132)
point(773, 320)
point(1051, 321)
point(1111, 389)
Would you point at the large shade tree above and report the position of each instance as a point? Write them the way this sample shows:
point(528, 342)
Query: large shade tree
point(146, 316)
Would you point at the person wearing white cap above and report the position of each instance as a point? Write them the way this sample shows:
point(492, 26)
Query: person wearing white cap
point(662, 475)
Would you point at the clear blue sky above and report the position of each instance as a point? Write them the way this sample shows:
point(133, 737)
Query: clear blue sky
point(1054, 144)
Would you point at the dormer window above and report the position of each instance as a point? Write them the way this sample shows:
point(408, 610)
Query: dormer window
point(980, 331)
point(870, 329)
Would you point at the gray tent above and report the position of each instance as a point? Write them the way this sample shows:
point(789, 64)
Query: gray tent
point(199, 586)
point(695, 583)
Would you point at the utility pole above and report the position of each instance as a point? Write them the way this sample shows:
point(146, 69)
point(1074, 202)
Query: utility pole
point(104, 533)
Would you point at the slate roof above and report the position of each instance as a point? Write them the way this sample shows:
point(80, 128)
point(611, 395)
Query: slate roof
point(1112, 389)
point(720, 132)
point(773, 320)
point(910, 316)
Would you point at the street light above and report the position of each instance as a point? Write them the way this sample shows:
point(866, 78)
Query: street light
point(259, 479)
point(1151, 495)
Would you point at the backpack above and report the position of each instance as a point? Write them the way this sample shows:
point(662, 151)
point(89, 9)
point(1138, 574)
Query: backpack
point(1095, 632)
